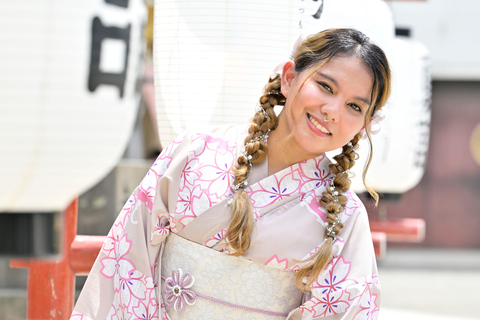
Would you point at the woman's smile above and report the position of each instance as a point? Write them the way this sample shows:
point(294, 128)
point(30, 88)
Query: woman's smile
point(317, 126)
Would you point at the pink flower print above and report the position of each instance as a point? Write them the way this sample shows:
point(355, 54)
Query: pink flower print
point(162, 227)
point(275, 262)
point(146, 196)
point(144, 311)
point(119, 313)
point(315, 170)
point(353, 203)
point(219, 173)
point(368, 306)
point(176, 290)
point(191, 204)
point(128, 208)
point(173, 225)
point(164, 159)
point(184, 201)
point(134, 286)
point(333, 280)
point(115, 265)
point(362, 294)
point(272, 191)
point(113, 237)
point(312, 204)
point(163, 312)
point(331, 304)
point(190, 173)
point(327, 305)
point(220, 143)
point(216, 238)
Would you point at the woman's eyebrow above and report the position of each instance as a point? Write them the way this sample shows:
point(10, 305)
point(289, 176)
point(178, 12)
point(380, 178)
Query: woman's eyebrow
point(328, 77)
point(367, 101)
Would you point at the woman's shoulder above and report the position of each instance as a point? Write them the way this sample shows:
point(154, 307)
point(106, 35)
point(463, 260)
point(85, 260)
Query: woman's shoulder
point(354, 206)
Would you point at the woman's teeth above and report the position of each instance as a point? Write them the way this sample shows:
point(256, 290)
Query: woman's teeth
point(318, 125)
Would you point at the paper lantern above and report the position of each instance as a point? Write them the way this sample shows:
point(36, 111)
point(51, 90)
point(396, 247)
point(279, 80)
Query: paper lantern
point(372, 17)
point(212, 60)
point(68, 96)
point(401, 147)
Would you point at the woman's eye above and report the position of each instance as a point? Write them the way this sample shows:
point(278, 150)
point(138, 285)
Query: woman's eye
point(326, 86)
point(355, 107)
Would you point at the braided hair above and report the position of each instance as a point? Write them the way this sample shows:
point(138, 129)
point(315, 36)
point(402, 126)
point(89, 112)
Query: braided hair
point(316, 50)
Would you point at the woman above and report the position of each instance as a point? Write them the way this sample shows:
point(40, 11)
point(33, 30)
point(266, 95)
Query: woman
point(289, 238)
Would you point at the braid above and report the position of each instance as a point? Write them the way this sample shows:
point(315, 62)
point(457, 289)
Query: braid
point(265, 120)
point(334, 202)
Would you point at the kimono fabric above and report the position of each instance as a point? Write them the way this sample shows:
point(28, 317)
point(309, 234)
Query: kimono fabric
point(183, 200)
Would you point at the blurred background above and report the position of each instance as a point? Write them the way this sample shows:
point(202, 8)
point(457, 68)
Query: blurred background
point(429, 269)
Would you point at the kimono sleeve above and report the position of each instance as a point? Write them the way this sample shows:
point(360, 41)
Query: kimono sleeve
point(348, 288)
point(122, 282)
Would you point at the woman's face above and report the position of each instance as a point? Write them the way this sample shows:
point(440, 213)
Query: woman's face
point(339, 92)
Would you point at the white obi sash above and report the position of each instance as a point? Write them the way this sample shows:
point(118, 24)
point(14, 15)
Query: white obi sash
point(202, 283)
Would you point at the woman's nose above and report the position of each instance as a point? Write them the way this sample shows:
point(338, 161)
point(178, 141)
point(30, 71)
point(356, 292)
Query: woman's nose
point(332, 110)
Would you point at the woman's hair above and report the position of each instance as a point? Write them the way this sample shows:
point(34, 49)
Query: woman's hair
point(314, 52)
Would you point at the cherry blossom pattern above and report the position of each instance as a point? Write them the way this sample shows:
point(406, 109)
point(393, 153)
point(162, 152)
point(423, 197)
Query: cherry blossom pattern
point(219, 170)
point(191, 203)
point(145, 310)
point(116, 265)
point(216, 238)
point(177, 290)
point(363, 295)
point(148, 186)
point(275, 262)
point(353, 205)
point(119, 312)
point(275, 188)
point(312, 204)
point(190, 171)
point(163, 312)
point(315, 171)
point(335, 279)
point(328, 305)
point(165, 158)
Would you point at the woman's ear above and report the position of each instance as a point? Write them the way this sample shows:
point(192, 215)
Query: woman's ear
point(288, 75)
point(369, 122)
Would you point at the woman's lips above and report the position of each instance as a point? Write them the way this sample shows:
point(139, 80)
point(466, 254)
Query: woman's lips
point(318, 125)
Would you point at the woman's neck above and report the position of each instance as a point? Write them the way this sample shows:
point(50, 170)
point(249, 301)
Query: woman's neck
point(282, 152)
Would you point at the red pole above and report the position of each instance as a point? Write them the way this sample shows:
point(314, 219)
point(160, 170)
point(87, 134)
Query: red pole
point(51, 283)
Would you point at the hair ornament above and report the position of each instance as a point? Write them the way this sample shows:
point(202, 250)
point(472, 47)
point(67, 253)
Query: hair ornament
point(330, 228)
point(264, 137)
point(260, 109)
point(375, 124)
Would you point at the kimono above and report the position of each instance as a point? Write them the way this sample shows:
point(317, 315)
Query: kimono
point(192, 176)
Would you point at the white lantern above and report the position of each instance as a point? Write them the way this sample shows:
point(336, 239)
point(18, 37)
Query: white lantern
point(212, 60)
point(372, 17)
point(400, 149)
point(68, 96)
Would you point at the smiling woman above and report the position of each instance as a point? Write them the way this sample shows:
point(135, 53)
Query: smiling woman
point(218, 231)
point(326, 109)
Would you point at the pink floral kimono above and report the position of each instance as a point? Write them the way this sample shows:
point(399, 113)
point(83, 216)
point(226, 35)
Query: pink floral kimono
point(186, 194)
